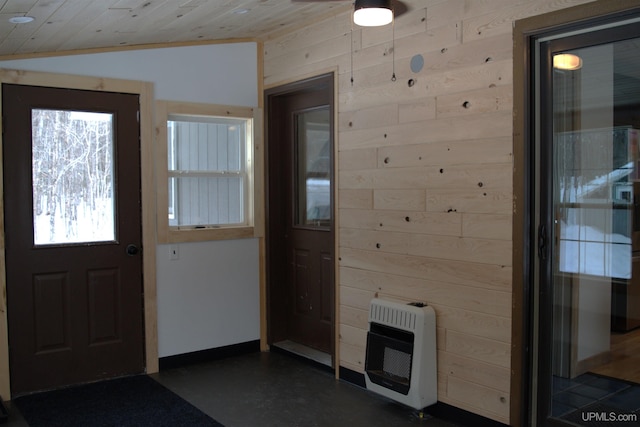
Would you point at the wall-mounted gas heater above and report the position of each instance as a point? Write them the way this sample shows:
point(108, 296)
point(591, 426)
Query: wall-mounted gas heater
point(401, 352)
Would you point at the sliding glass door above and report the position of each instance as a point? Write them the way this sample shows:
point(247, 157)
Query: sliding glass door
point(588, 225)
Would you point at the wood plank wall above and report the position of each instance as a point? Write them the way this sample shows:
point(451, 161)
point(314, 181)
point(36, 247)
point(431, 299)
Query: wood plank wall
point(425, 177)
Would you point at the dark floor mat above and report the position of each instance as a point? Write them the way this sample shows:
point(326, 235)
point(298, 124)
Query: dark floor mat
point(130, 401)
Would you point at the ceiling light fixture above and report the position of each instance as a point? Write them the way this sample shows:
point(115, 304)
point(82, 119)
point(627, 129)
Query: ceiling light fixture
point(567, 61)
point(21, 19)
point(372, 13)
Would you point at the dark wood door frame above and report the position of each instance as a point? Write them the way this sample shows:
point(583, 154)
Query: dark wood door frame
point(276, 319)
point(145, 90)
point(525, 261)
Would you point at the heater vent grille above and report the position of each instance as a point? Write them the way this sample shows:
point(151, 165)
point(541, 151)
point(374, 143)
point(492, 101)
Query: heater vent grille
point(400, 361)
point(395, 317)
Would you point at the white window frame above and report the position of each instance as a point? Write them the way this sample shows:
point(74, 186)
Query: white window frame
point(169, 110)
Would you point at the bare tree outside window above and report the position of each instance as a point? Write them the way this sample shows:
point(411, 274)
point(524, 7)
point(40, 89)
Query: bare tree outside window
point(72, 166)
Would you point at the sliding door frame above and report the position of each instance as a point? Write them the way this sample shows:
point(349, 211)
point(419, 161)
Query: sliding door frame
point(528, 406)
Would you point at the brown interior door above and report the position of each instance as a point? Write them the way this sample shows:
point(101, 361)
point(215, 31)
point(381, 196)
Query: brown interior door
point(308, 223)
point(73, 233)
point(301, 225)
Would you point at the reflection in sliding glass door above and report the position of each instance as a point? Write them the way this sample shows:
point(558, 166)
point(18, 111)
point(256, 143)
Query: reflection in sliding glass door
point(590, 128)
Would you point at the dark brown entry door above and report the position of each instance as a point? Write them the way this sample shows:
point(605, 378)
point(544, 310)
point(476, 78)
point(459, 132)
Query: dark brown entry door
point(73, 233)
point(301, 232)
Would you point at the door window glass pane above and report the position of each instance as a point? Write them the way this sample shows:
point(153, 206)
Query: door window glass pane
point(313, 168)
point(72, 169)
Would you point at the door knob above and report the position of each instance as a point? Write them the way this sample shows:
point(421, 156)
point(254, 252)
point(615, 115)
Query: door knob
point(132, 250)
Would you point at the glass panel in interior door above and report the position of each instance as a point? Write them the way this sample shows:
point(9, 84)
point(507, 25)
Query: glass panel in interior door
point(313, 168)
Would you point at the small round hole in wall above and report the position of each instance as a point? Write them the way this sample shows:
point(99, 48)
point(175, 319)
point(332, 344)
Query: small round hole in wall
point(417, 62)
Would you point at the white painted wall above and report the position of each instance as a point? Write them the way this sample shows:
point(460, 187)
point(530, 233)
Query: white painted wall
point(209, 297)
point(215, 74)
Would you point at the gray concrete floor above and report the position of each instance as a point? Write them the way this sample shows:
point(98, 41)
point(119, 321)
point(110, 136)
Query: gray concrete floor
point(274, 389)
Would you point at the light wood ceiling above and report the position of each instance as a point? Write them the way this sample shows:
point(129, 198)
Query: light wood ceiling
point(70, 25)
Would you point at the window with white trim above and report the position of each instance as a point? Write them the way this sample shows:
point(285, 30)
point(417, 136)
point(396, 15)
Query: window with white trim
point(207, 171)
